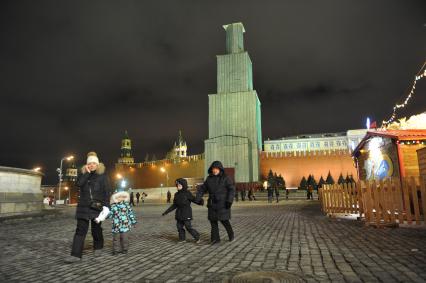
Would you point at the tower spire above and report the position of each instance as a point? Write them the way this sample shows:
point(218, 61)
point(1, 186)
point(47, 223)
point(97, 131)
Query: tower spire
point(234, 38)
point(126, 150)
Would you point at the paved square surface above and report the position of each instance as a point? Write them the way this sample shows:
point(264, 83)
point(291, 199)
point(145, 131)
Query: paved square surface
point(292, 237)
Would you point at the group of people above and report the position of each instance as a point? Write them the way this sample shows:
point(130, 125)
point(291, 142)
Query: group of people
point(243, 194)
point(139, 196)
point(96, 204)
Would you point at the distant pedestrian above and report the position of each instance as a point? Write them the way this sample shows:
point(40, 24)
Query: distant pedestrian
point(277, 194)
point(169, 196)
point(243, 194)
point(309, 192)
point(236, 195)
point(132, 199)
point(250, 194)
point(270, 193)
point(287, 192)
point(138, 195)
point(182, 203)
point(143, 196)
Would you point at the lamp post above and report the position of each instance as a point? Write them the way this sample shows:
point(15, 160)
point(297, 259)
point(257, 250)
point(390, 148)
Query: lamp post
point(121, 182)
point(162, 169)
point(59, 170)
point(69, 194)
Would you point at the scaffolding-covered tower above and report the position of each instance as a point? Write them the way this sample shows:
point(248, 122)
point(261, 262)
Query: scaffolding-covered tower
point(235, 135)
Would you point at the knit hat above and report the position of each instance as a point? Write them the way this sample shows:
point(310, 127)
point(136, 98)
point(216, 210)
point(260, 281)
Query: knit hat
point(92, 157)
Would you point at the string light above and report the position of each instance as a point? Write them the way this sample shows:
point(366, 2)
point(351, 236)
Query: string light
point(422, 142)
point(421, 74)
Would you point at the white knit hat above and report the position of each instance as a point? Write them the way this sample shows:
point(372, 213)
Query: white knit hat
point(92, 157)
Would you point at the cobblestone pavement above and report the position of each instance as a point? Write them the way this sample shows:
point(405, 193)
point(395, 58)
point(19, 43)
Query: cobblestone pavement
point(292, 237)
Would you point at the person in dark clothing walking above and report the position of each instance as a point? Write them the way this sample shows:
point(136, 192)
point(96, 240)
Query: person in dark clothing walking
point(94, 196)
point(309, 192)
point(138, 195)
point(182, 203)
point(250, 195)
point(221, 191)
point(132, 199)
point(270, 193)
point(277, 194)
point(243, 194)
point(169, 196)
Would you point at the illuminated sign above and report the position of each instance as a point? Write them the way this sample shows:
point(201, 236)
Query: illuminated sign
point(379, 168)
point(378, 165)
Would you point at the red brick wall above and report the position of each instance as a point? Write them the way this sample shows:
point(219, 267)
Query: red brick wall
point(293, 168)
point(150, 176)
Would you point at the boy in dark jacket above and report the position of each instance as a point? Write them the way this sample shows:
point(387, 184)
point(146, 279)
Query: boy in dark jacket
point(182, 204)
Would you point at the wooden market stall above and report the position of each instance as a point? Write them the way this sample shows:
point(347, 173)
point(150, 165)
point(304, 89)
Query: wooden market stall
point(389, 154)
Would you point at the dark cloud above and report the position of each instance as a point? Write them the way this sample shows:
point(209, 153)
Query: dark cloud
point(75, 74)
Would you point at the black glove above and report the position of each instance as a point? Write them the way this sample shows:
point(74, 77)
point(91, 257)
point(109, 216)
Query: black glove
point(228, 205)
point(201, 202)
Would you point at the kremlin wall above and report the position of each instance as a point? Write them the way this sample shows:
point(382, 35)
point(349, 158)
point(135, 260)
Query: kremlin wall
point(293, 166)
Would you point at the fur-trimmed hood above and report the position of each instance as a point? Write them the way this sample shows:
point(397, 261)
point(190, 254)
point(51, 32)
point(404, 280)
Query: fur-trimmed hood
point(119, 197)
point(100, 170)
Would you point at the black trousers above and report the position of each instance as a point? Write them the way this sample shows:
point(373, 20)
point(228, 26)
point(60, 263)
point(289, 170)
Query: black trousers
point(80, 236)
point(187, 224)
point(215, 229)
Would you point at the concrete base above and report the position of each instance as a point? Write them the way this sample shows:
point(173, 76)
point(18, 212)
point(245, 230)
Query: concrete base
point(20, 191)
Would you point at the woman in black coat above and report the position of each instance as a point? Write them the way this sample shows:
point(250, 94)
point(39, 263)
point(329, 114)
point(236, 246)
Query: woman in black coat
point(221, 191)
point(94, 190)
point(182, 203)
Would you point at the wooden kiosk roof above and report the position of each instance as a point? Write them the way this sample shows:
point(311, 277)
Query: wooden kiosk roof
point(392, 134)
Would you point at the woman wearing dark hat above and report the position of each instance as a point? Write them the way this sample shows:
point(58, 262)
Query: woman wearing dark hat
point(94, 196)
point(221, 191)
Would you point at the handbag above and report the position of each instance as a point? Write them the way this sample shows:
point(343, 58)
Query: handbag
point(95, 204)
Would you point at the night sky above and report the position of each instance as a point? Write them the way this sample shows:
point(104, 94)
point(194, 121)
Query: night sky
point(75, 74)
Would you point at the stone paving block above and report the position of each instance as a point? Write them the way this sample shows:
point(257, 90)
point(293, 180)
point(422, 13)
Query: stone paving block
point(289, 237)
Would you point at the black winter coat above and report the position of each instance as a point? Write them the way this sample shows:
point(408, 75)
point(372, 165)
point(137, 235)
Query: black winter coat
point(182, 203)
point(221, 190)
point(98, 183)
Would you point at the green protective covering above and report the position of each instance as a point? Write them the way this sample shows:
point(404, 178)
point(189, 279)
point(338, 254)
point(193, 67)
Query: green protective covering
point(235, 135)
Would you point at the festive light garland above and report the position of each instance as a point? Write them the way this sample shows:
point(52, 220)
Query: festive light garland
point(421, 74)
point(413, 142)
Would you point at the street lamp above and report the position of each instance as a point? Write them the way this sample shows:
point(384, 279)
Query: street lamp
point(59, 170)
point(162, 169)
point(69, 194)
